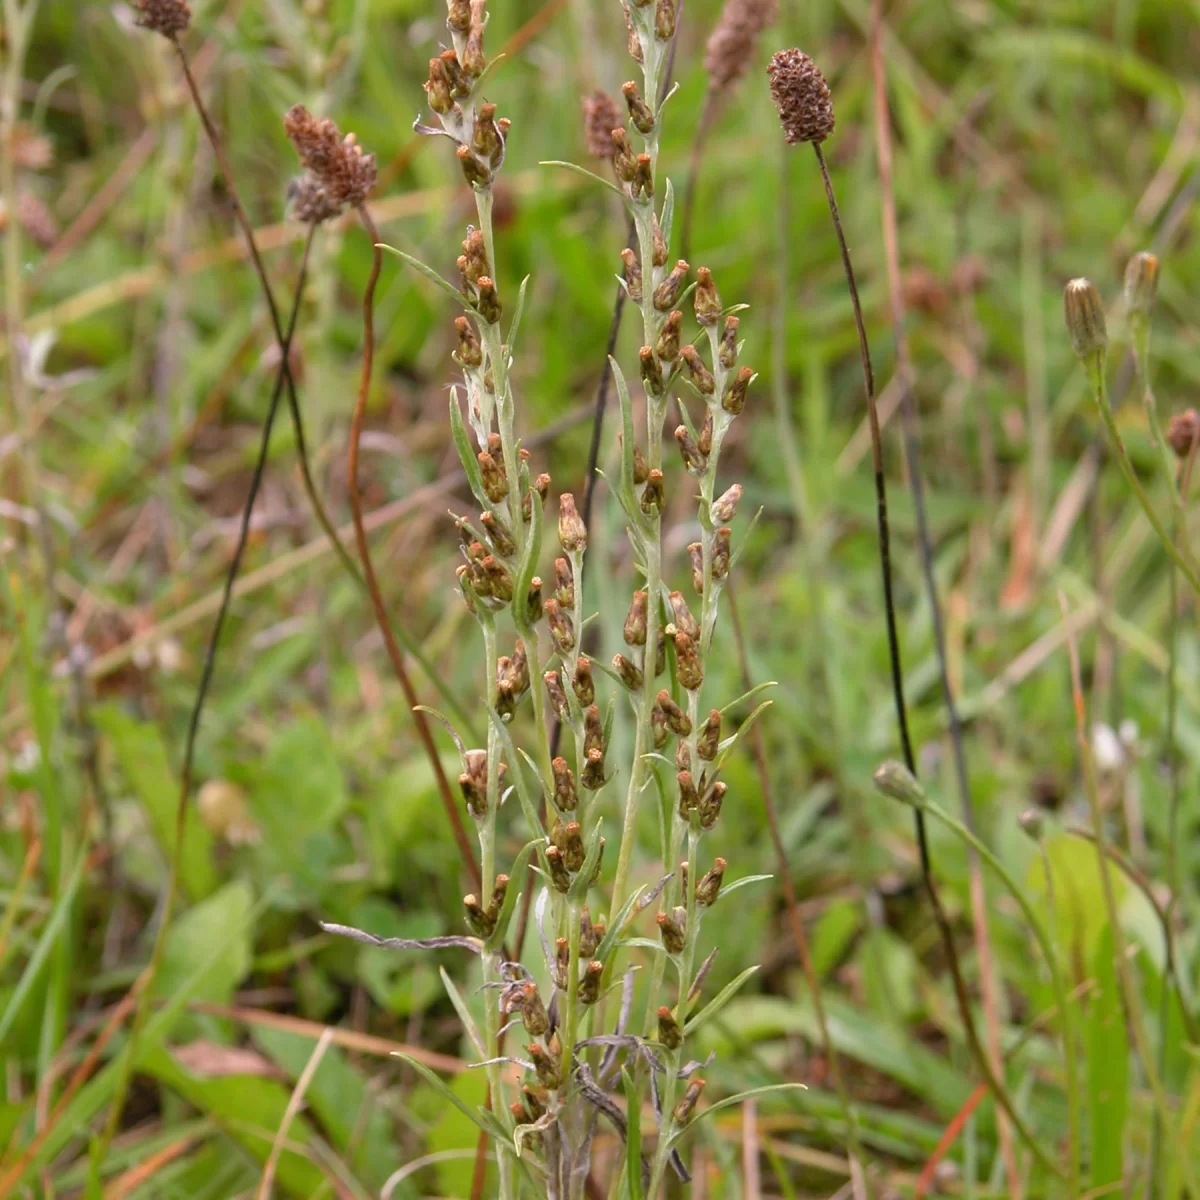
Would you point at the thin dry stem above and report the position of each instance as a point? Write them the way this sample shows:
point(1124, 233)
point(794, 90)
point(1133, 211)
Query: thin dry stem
point(943, 922)
point(189, 753)
point(904, 371)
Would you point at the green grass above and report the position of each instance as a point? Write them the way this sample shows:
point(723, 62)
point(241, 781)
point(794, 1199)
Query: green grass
point(1032, 144)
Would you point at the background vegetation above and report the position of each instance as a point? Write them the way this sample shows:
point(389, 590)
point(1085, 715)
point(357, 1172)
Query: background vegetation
point(1031, 143)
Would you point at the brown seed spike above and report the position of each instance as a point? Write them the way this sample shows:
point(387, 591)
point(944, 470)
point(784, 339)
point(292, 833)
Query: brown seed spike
point(801, 95)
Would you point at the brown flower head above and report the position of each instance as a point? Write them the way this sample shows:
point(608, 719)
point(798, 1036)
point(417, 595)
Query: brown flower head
point(802, 97)
point(336, 163)
point(600, 117)
point(1183, 432)
point(168, 17)
point(733, 41)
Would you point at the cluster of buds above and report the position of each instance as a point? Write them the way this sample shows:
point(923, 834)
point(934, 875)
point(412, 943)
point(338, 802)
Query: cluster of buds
point(631, 670)
point(566, 855)
point(484, 578)
point(479, 290)
point(473, 782)
point(512, 680)
point(480, 136)
point(482, 921)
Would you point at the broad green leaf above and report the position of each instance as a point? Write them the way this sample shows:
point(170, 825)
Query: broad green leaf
point(304, 766)
point(343, 1099)
point(250, 1110)
point(834, 932)
point(214, 932)
point(142, 757)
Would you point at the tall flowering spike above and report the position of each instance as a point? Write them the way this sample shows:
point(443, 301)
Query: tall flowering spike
point(336, 163)
point(734, 40)
point(802, 97)
point(168, 17)
point(1084, 312)
point(600, 117)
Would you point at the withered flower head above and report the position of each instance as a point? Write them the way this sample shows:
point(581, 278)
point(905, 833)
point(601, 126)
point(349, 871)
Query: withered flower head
point(1183, 432)
point(600, 117)
point(168, 17)
point(733, 41)
point(802, 97)
point(338, 163)
point(311, 202)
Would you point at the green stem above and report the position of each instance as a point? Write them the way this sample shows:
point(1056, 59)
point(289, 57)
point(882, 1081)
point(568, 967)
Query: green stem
point(1099, 389)
point(1133, 1009)
point(1044, 944)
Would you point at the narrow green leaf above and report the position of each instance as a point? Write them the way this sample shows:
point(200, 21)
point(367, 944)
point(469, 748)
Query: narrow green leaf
point(727, 746)
point(570, 166)
point(1107, 1069)
point(523, 794)
point(45, 944)
point(758, 687)
point(667, 219)
point(529, 562)
point(429, 273)
point(515, 325)
point(616, 925)
point(462, 443)
point(745, 881)
point(733, 1101)
point(464, 1013)
point(633, 1136)
point(718, 1002)
point(444, 1090)
point(583, 880)
point(744, 540)
point(516, 875)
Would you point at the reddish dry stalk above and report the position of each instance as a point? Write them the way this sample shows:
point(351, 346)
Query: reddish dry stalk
point(364, 553)
point(83, 1072)
point(904, 371)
